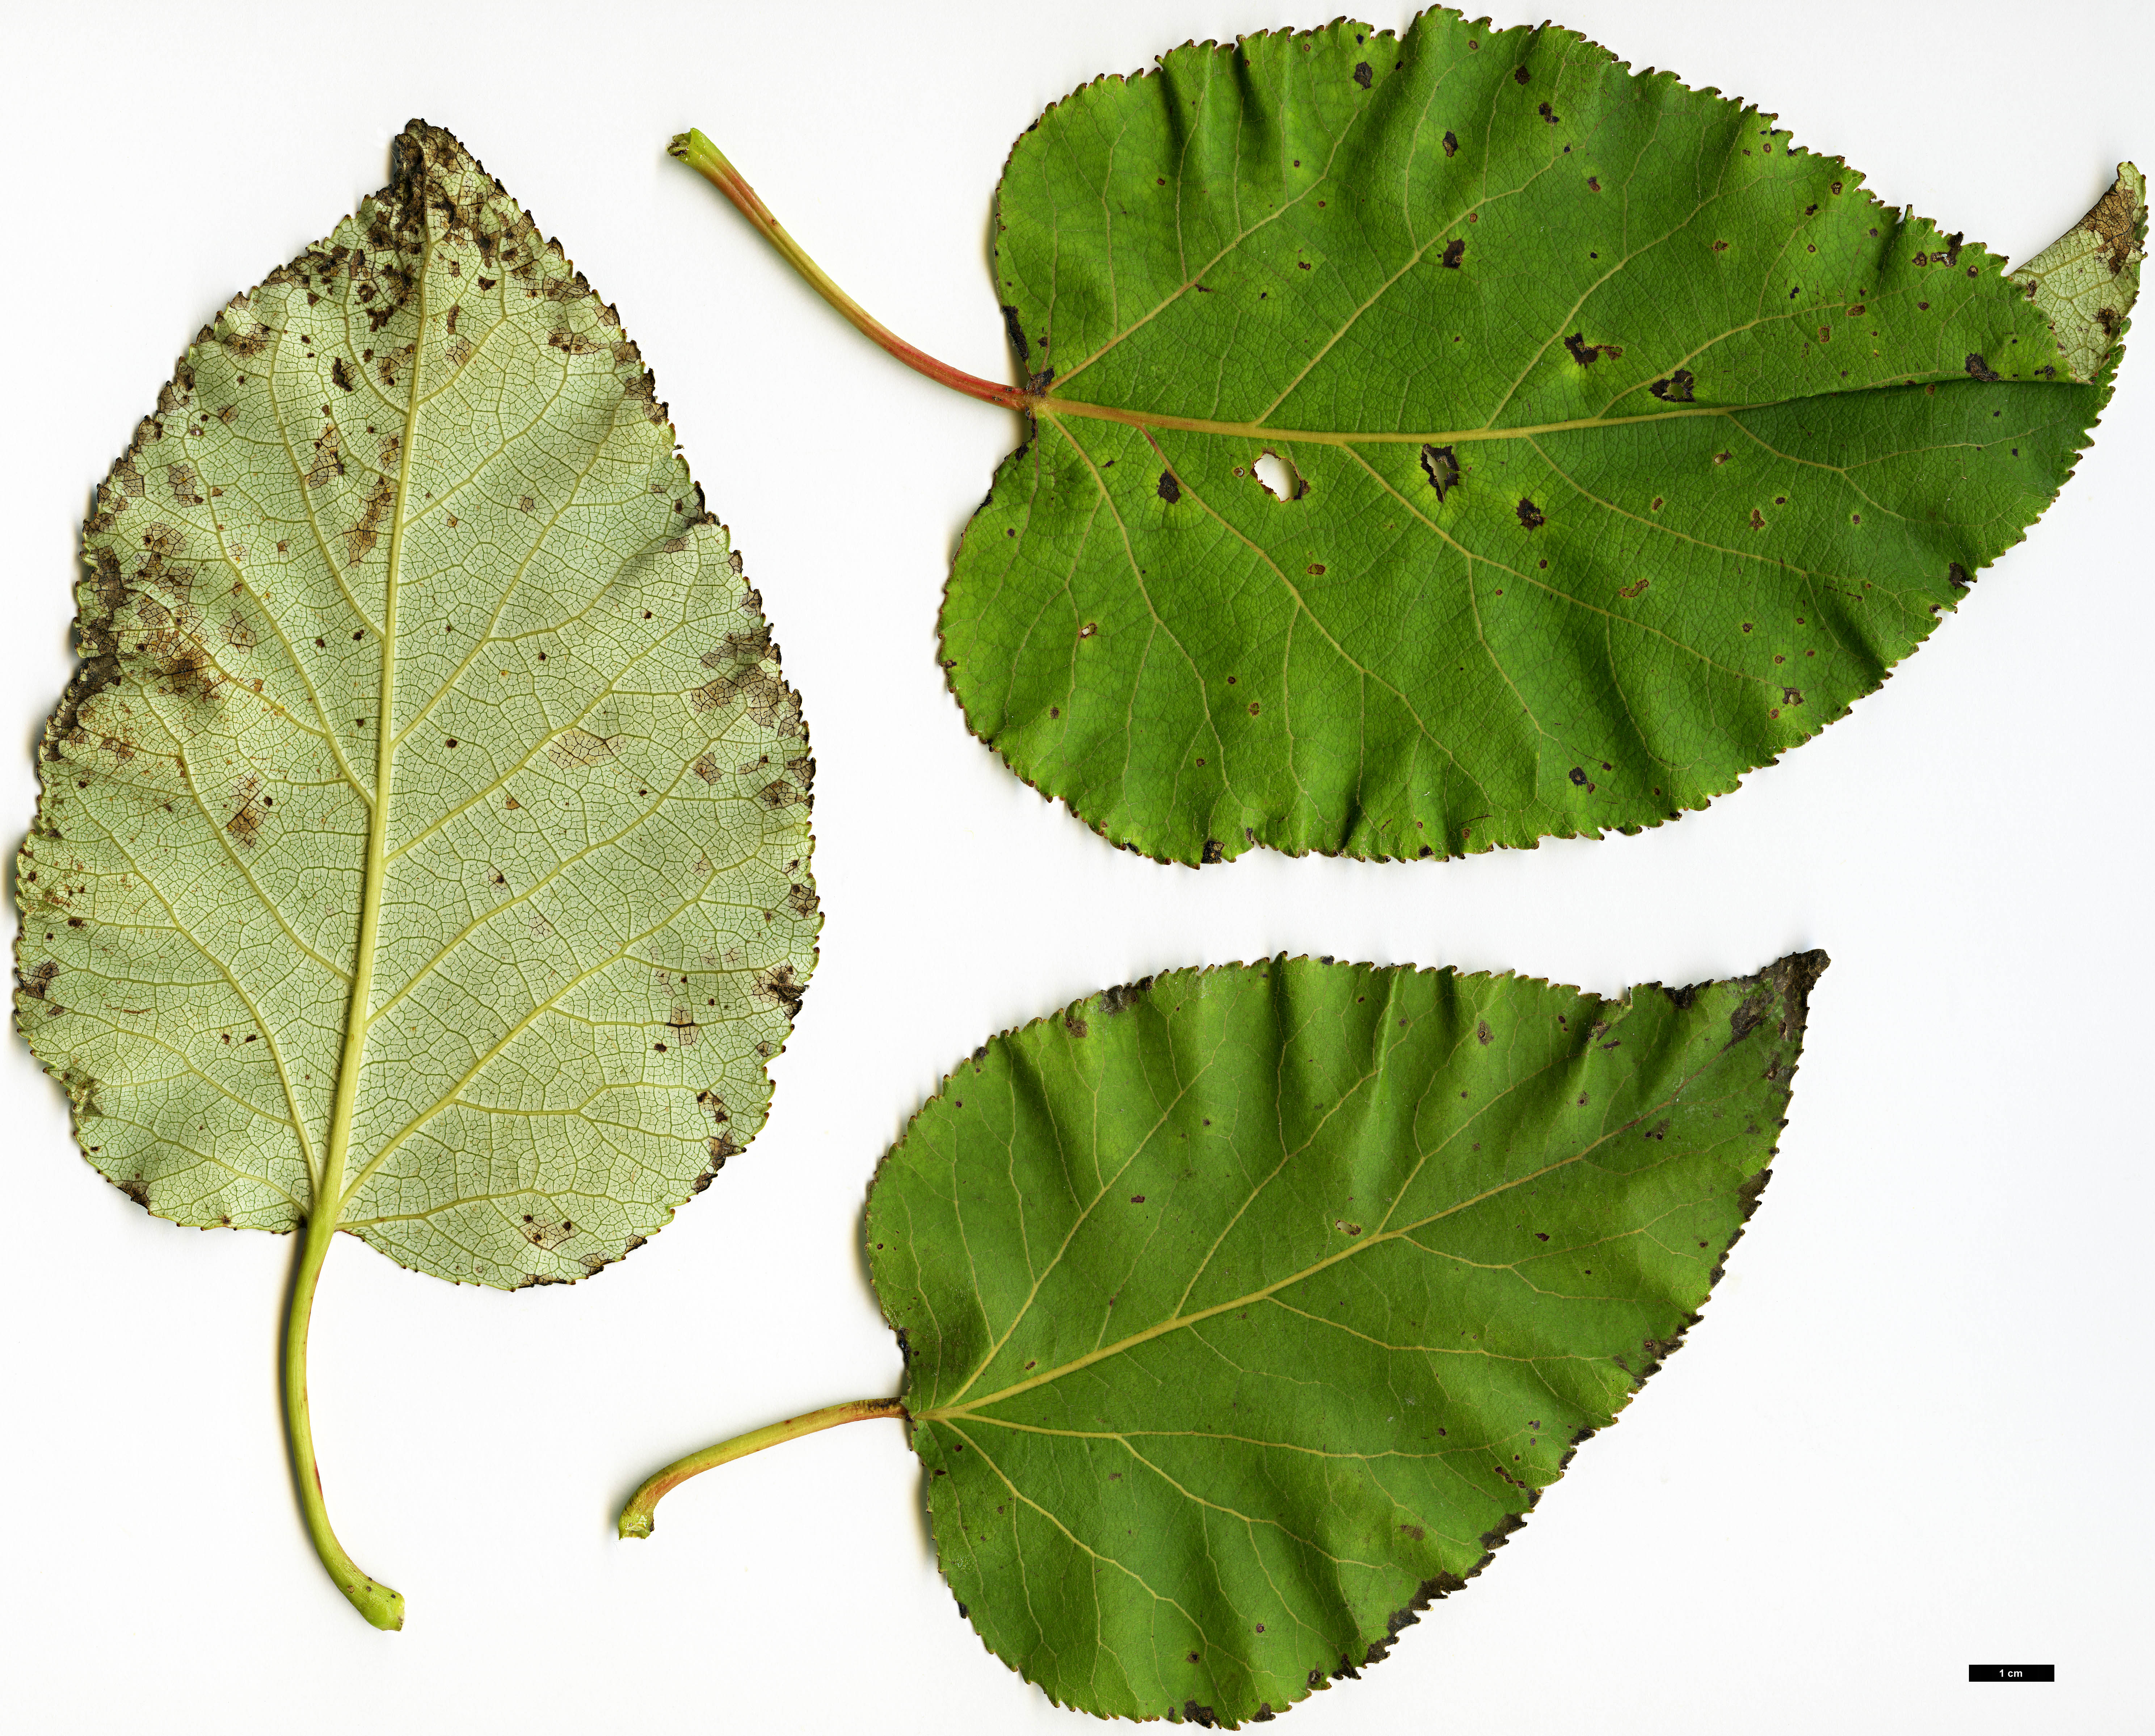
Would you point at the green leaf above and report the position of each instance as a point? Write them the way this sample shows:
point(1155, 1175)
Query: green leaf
point(1618, 445)
point(1247, 1310)
point(424, 841)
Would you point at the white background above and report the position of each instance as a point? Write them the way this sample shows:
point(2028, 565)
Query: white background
point(1909, 1433)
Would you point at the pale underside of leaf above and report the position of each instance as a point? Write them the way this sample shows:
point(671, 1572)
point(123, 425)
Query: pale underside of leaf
point(2084, 283)
point(1248, 1310)
point(1630, 442)
point(425, 839)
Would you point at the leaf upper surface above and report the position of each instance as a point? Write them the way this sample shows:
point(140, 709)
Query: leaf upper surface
point(425, 838)
point(1621, 444)
point(1247, 1310)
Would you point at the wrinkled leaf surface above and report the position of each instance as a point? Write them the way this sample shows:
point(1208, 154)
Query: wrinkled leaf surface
point(1456, 438)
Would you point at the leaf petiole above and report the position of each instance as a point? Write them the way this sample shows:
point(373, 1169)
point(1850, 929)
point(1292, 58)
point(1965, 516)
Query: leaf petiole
point(373, 1600)
point(707, 160)
point(637, 1518)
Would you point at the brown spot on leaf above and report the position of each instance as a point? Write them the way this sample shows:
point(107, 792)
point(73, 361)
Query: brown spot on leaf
point(545, 1234)
point(1748, 1014)
point(738, 648)
point(1118, 999)
point(573, 748)
point(1585, 354)
point(1530, 515)
point(359, 541)
point(780, 986)
point(245, 824)
point(2111, 221)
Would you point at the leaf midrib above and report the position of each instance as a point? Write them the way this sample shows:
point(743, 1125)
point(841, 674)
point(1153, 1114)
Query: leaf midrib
point(1051, 405)
point(330, 1195)
point(1048, 404)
